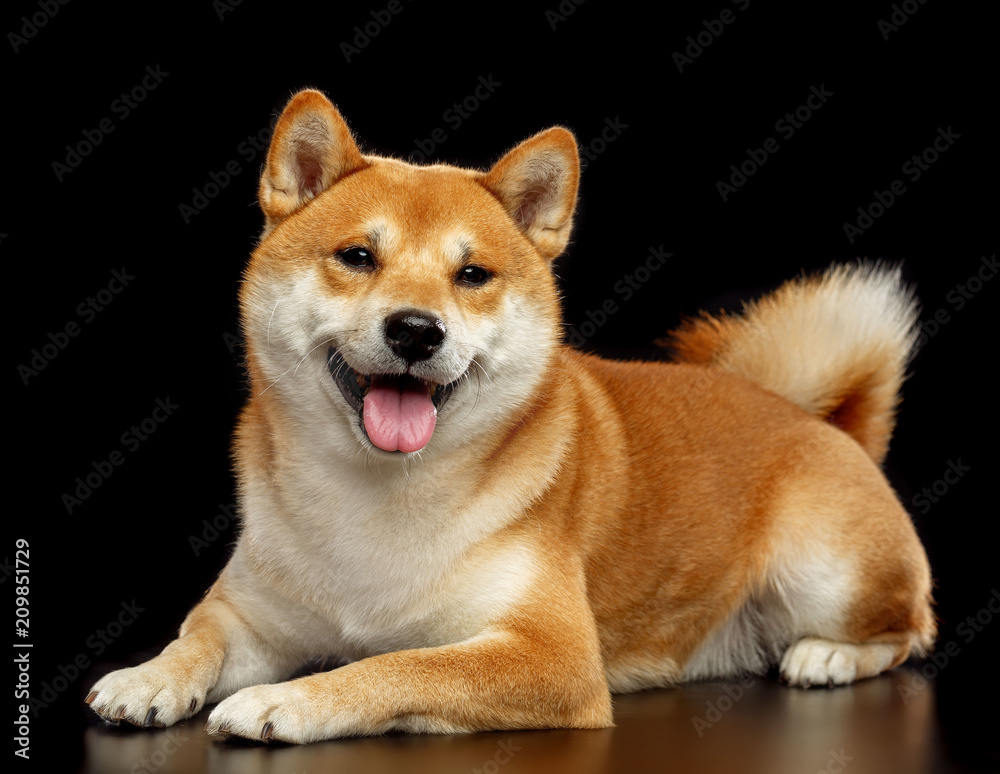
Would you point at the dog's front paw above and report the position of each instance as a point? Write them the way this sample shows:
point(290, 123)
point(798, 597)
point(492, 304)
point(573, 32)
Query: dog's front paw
point(265, 713)
point(147, 695)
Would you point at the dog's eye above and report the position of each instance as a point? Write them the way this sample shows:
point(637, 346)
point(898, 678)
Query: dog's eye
point(357, 258)
point(473, 275)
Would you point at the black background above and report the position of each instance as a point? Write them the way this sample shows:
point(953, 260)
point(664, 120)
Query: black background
point(170, 333)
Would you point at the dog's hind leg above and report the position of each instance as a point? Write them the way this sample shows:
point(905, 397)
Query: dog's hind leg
point(855, 589)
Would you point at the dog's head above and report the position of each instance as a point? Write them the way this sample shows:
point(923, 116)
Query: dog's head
point(387, 302)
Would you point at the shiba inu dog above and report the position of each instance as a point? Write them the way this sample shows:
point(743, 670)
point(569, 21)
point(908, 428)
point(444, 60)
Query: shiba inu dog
point(496, 531)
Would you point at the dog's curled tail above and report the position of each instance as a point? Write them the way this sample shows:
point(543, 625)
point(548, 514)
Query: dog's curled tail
point(837, 345)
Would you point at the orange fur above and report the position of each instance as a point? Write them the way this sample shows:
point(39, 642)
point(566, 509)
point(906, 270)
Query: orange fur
point(575, 526)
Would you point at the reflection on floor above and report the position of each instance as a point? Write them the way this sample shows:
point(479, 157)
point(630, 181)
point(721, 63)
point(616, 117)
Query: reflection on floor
point(888, 724)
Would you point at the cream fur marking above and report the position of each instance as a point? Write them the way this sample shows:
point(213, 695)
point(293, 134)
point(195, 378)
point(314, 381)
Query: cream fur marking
point(810, 333)
point(800, 596)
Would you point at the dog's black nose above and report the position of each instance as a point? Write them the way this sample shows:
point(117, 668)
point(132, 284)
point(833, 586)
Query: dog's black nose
point(414, 335)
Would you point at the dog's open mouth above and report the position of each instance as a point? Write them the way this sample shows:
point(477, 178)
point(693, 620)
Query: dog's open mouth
point(397, 411)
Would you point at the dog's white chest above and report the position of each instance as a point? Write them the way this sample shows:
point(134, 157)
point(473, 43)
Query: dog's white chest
point(354, 570)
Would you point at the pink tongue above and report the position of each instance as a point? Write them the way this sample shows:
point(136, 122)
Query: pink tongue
point(399, 414)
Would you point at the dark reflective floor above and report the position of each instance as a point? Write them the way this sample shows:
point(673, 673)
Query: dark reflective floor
point(889, 724)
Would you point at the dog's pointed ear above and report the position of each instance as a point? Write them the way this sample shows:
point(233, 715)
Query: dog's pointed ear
point(311, 149)
point(537, 182)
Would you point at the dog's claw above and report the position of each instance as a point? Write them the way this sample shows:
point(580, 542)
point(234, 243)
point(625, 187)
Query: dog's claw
point(90, 697)
point(266, 731)
point(193, 704)
point(150, 717)
point(213, 730)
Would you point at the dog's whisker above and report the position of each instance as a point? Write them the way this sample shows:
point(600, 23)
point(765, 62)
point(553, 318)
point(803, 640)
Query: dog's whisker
point(270, 319)
point(292, 369)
